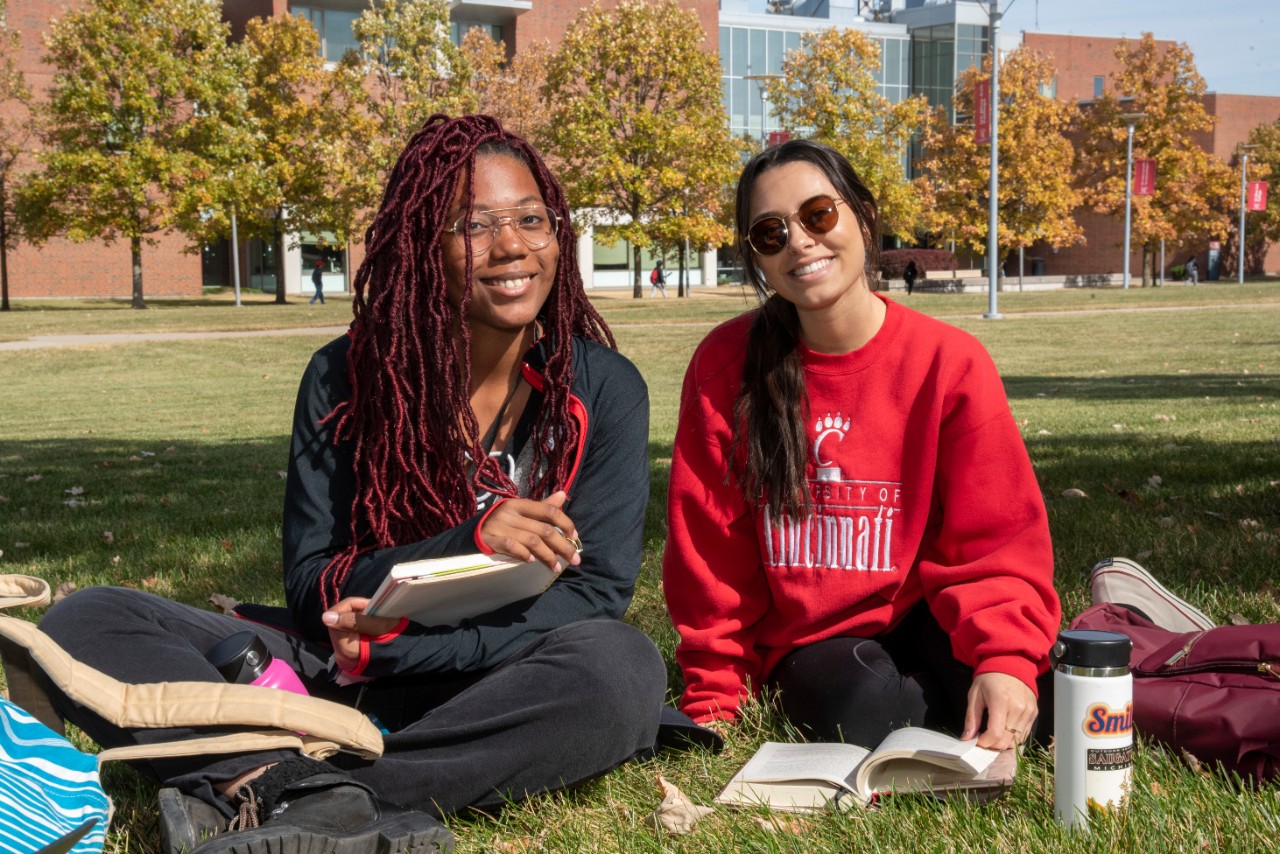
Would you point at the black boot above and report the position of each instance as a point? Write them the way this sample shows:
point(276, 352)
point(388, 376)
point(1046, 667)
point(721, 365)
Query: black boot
point(299, 806)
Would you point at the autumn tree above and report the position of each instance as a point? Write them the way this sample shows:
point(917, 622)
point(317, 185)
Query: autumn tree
point(413, 69)
point(637, 124)
point(510, 89)
point(302, 173)
point(1262, 228)
point(15, 134)
point(828, 92)
point(1036, 193)
point(141, 108)
point(1161, 84)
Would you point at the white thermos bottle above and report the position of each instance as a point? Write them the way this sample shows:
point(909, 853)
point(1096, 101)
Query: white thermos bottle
point(1092, 724)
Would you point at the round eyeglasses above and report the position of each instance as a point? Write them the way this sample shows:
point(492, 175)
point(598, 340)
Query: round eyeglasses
point(537, 226)
point(769, 236)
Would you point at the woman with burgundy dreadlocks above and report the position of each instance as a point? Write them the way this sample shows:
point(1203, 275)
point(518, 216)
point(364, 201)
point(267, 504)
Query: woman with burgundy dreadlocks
point(476, 403)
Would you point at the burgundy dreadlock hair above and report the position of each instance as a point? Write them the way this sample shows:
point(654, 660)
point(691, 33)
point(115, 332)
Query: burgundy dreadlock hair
point(409, 414)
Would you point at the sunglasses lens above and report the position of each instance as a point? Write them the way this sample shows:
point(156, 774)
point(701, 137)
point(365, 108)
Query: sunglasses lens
point(768, 236)
point(819, 215)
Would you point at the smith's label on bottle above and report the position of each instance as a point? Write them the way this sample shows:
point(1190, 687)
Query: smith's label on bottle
point(1102, 721)
point(1109, 758)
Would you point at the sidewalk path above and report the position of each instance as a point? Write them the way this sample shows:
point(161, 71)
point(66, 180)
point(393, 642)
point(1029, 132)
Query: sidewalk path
point(40, 342)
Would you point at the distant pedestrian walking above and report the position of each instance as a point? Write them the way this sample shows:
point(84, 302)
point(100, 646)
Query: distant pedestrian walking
point(317, 279)
point(909, 276)
point(1193, 271)
point(658, 278)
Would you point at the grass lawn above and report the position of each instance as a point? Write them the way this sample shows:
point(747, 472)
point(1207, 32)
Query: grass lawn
point(158, 465)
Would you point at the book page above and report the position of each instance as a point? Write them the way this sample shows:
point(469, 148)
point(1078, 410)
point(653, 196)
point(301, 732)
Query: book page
point(779, 762)
point(940, 747)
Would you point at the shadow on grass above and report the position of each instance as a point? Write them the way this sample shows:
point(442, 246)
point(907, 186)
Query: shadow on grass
point(1143, 386)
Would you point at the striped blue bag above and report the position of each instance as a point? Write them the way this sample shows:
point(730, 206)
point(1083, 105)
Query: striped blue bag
point(50, 797)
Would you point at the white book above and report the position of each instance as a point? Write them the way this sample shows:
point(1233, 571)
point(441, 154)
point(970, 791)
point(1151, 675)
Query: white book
point(445, 591)
point(812, 776)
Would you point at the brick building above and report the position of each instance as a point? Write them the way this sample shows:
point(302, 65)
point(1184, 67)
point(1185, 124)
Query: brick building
point(925, 48)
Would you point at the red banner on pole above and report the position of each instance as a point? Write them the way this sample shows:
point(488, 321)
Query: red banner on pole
point(777, 137)
point(1257, 195)
point(982, 111)
point(1144, 177)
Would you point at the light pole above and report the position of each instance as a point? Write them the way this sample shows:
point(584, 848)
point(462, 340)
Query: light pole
point(1244, 170)
point(762, 81)
point(1128, 189)
point(993, 209)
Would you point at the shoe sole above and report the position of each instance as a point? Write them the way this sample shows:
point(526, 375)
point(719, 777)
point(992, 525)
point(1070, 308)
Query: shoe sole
point(1124, 566)
point(394, 835)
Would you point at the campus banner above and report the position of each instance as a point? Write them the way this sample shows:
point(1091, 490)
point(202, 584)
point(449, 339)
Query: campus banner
point(1257, 195)
point(777, 137)
point(1144, 177)
point(982, 111)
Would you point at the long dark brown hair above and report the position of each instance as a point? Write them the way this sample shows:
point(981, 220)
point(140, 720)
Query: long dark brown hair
point(409, 416)
point(771, 410)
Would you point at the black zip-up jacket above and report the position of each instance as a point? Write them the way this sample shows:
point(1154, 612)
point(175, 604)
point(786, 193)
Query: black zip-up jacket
point(608, 492)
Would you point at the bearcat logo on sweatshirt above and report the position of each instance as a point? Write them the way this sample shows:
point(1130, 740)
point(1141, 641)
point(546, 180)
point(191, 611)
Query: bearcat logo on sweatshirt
point(852, 524)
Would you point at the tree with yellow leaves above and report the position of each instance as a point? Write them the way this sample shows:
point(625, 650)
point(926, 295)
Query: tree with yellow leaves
point(828, 93)
point(1161, 84)
point(15, 140)
point(413, 70)
point(637, 125)
point(509, 89)
point(1036, 194)
point(1262, 228)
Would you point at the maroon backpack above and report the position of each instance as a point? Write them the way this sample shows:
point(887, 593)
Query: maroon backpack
point(1214, 694)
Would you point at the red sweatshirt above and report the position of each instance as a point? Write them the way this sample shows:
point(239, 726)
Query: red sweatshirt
point(921, 489)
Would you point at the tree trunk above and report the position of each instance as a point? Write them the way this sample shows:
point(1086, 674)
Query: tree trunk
point(277, 238)
point(681, 287)
point(135, 253)
point(637, 292)
point(4, 246)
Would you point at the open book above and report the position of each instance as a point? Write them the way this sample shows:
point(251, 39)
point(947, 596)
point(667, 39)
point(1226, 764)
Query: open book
point(447, 590)
point(804, 777)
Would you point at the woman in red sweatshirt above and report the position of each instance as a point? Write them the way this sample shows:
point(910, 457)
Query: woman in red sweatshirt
point(854, 523)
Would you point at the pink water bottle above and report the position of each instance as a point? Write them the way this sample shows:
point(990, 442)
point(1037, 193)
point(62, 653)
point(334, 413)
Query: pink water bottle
point(244, 659)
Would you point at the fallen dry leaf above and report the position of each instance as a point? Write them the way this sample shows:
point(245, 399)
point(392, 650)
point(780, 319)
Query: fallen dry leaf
point(223, 603)
point(32, 478)
point(146, 453)
point(108, 537)
point(1160, 416)
point(1074, 493)
point(63, 590)
point(1250, 523)
point(115, 560)
point(226, 545)
point(1154, 481)
point(150, 581)
point(1190, 760)
point(1142, 555)
point(75, 490)
point(1238, 620)
point(1156, 788)
point(676, 814)
point(4, 499)
point(18, 544)
point(75, 502)
point(282, 474)
point(1165, 521)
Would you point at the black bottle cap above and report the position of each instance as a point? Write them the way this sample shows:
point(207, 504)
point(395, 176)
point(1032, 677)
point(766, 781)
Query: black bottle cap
point(240, 658)
point(1090, 648)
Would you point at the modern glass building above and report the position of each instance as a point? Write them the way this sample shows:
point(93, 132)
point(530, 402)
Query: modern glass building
point(755, 35)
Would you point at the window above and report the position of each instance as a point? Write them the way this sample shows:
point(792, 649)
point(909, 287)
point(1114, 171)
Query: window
point(1099, 86)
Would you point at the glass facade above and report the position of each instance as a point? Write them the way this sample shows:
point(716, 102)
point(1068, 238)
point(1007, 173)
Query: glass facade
point(458, 29)
point(939, 55)
point(333, 22)
point(747, 51)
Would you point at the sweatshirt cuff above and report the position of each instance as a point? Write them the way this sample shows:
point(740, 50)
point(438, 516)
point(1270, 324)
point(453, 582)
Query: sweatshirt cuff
point(1023, 669)
point(475, 535)
point(367, 642)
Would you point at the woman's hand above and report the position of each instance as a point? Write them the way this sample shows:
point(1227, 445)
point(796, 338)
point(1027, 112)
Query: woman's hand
point(346, 622)
point(1010, 706)
point(532, 530)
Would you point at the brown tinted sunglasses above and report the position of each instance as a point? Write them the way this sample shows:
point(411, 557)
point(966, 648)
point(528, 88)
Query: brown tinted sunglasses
point(818, 215)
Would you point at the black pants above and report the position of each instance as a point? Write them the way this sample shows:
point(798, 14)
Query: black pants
point(858, 690)
point(575, 703)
